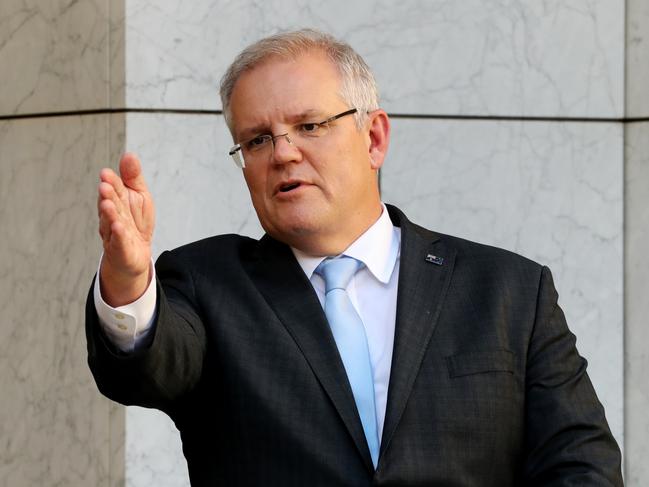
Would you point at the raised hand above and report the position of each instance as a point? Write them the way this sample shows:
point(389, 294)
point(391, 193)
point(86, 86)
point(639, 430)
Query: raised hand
point(126, 221)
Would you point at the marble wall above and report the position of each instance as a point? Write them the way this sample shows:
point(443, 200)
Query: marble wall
point(53, 55)
point(54, 427)
point(636, 235)
point(636, 398)
point(475, 57)
point(508, 130)
point(637, 65)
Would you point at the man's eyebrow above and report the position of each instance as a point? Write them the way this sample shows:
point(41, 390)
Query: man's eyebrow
point(311, 114)
point(254, 131)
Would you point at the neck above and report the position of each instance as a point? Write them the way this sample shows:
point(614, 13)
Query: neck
point(318, 245)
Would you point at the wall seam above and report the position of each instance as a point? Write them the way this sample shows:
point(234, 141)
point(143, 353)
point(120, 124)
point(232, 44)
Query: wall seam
point(396, 116)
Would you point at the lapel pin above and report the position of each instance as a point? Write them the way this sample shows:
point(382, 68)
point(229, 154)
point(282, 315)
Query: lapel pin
point(434, 259)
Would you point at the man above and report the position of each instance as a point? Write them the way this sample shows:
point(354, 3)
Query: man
point(434, 361)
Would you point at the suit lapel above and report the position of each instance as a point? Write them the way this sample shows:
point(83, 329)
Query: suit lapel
point(289, 293)
point(422, 288)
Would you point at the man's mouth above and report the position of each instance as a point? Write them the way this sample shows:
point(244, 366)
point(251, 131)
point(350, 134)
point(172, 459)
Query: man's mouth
point(285, 188)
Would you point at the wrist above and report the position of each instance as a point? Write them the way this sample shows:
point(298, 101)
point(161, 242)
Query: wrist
point(120, 288)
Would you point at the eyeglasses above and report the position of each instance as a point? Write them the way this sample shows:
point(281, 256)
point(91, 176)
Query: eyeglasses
point(259, 148)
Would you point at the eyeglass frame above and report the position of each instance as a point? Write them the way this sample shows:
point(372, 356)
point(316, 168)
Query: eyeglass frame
point(237, 150)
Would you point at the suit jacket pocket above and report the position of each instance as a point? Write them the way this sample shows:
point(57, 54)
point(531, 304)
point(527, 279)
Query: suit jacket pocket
point(479, 362)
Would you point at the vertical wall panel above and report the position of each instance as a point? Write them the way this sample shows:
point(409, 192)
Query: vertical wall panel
point(53, 55)
point(636, 304)
point(55, 429)
point(474, 57)
point(636, 235)
point(637, 58)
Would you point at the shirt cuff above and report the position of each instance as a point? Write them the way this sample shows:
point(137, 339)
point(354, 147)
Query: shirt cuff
point(128, 326)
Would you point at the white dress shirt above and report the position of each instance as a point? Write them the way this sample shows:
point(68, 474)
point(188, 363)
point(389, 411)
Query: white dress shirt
point(372, 290)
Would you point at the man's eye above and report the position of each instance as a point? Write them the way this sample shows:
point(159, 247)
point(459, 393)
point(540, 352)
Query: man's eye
point(257, 142)
point(310, 128)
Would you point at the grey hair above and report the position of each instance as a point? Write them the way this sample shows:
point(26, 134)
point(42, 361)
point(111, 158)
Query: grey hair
point(358, 87)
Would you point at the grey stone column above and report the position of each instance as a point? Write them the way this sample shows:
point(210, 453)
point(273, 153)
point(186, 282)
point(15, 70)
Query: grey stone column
point(636, 248)
point(55, 134)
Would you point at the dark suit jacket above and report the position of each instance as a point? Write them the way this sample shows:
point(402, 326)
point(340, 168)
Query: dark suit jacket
point(486, 386)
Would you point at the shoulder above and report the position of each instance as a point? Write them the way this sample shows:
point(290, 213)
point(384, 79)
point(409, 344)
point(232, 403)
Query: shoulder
point(469, 256)
point(480, 253)
point(226, 244)
point(492, 269)
point(218, 252)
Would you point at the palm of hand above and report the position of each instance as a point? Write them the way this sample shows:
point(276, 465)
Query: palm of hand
point(126, 222)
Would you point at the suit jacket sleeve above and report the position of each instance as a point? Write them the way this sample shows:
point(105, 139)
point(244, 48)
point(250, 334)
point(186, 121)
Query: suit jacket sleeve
point(568, 441)
point(172, 365)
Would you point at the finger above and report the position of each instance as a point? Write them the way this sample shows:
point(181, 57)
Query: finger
point(119, 241)
point(107, 192)
point(104, 231)
point(107, 216)
point(136, 201)
point(147, 222)
point(109, 176)
point(119, 232)
point(122, 245)
point(100, 192)
point(130, 169)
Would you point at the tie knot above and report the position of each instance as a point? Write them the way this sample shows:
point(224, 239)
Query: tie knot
point(338, 272)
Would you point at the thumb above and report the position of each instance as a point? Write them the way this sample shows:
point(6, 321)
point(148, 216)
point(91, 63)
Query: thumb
point(130, 171)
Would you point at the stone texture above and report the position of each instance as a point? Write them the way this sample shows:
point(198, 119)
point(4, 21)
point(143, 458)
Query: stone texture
point(55, 428)
point(637, 58)
point(53, 55)
point(476, 57)
point(636, 284)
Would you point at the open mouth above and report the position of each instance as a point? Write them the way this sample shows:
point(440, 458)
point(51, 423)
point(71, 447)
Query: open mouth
point(285, 188)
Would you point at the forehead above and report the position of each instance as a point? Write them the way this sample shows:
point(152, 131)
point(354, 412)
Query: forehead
point(280, 88)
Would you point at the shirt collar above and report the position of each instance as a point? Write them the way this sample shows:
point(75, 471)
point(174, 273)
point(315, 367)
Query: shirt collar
point(377, 248)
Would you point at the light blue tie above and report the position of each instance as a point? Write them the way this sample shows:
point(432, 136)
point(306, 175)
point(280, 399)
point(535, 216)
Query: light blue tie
point(349, 333)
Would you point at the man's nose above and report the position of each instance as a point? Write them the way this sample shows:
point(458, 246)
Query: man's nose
point(284, 149)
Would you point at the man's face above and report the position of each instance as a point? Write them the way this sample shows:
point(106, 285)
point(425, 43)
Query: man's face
point(318, 197)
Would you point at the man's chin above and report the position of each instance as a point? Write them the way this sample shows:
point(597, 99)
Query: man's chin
point(295, 232)
point(301, 220)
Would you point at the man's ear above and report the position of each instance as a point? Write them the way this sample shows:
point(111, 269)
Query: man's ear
point(379, 134)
